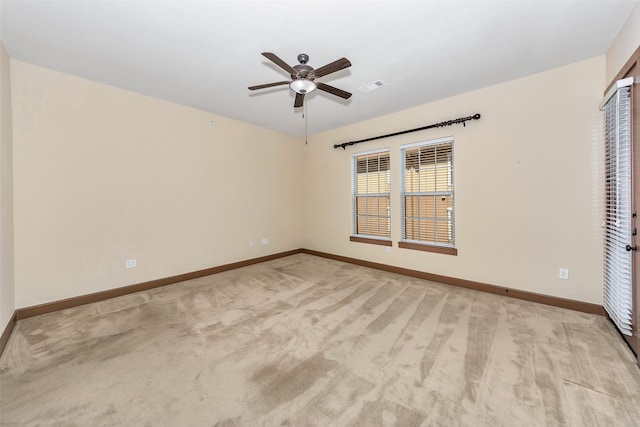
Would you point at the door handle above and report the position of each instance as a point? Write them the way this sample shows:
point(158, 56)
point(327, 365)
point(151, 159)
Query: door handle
point(631, 248)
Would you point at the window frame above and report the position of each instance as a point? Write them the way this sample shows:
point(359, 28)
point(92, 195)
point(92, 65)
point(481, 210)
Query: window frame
point(423, 245)
point(368, 238)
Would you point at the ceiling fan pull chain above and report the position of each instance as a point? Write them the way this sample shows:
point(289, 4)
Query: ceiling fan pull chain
point(306, 132)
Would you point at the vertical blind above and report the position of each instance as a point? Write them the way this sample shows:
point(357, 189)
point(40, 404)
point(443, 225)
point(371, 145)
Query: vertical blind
point(618, 274)
point(371, 194)
point(427, 192)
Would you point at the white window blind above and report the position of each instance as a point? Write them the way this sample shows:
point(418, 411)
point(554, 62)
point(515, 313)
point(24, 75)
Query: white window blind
point(618, 274)
point(371, 190)
point(427, 193)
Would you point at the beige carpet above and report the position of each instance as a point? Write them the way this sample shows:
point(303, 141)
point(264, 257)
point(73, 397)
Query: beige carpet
point(305, 341)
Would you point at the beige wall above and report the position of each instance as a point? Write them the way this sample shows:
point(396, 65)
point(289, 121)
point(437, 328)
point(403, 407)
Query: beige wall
point(625, 43)
point(527, 184)
point(103, 175)
point(7, 301)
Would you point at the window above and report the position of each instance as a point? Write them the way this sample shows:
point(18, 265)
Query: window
point(371, 201)
point(427, 196)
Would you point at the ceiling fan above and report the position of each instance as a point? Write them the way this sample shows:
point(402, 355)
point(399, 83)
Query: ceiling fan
point(303, 77)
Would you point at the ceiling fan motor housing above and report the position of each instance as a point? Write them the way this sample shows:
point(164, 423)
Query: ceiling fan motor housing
point(303, 72)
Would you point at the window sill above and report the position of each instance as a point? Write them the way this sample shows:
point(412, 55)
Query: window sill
point(372, 241)
point(428, 248)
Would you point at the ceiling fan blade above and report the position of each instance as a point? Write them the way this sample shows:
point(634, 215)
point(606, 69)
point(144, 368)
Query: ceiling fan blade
point(268, 85)
point(280, 63)
point(333, 90)
point(299, 100)
point(332, 67)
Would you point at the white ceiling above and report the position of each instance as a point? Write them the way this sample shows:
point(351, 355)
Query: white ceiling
point(205, 54)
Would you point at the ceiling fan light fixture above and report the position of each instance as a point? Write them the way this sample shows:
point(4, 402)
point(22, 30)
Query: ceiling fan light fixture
point(302, 86)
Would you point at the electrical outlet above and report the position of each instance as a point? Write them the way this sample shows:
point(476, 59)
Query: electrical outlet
point(130, 263)
point(387, 250)
point(251, 243)
point(265, 241)
point(564, 274)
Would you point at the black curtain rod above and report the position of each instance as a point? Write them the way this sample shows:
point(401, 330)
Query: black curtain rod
point(435, 125)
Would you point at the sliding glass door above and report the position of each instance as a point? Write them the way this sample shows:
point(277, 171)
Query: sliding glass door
point(622, 166)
